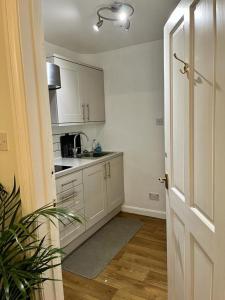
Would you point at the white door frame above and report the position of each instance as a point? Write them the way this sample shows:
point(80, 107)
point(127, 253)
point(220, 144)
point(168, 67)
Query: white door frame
point(24, 39)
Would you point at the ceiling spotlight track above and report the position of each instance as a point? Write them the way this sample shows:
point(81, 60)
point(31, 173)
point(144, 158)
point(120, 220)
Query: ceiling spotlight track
point(119, 13)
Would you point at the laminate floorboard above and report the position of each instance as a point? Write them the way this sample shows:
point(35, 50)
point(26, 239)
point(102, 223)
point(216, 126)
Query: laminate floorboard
point(137, 272)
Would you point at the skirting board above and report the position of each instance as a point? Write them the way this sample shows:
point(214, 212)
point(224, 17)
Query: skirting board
point(144, 212)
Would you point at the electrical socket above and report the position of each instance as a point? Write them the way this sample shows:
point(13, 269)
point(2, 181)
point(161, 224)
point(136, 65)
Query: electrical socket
point(3, 141)
point(154, 196)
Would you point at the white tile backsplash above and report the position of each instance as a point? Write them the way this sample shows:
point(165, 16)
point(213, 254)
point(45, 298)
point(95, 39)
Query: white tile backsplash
point(56, 138)
point(56, 147)
point(57, 154)
point(92, 131)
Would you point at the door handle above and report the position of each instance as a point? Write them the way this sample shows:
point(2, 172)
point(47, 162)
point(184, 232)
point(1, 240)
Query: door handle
point(165, 180)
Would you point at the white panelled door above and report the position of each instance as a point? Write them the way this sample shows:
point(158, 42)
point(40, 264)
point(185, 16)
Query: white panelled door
point(195, 149)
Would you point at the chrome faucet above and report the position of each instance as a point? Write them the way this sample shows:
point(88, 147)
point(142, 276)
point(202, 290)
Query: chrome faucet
point(80, 133)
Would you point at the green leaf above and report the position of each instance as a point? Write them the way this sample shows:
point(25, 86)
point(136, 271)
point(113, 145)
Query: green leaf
point(24, 257)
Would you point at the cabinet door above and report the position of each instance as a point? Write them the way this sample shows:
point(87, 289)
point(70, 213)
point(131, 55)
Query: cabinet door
point(115, 183)
point(92, 93)
point(70, 107)
point(94, 194)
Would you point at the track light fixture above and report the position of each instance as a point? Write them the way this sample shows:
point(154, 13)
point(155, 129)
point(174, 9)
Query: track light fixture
point(119, 13)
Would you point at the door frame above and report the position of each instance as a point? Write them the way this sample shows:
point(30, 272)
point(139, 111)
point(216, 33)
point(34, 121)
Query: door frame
point(23, 36)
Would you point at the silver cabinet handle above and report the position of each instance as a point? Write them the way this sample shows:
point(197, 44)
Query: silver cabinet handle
point(88, 112)
point(109, 170)
point(69, 182)
point(105, 175)
point(75, 194)
point(83, 107)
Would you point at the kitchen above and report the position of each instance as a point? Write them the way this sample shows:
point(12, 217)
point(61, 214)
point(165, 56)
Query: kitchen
point(122, 143)
point(106, 117)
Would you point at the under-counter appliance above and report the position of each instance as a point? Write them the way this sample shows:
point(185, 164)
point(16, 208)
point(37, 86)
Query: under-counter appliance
point(70, 145)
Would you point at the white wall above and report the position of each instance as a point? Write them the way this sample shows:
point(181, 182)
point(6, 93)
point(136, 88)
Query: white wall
point(134, 100)
point(54, 49)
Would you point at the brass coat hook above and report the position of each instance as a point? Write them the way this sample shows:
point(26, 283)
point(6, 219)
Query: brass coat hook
point(186, 65)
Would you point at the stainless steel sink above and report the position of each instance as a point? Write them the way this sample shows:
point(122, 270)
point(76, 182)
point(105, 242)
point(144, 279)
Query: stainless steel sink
point(91, 155)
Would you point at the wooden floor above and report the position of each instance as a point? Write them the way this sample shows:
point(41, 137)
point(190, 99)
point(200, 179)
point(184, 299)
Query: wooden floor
point(138, 271)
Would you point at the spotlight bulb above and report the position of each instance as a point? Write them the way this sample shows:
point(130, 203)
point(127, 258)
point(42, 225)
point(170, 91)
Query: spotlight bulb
point(123, 16)
point(98, 25)
point(127, 25)
point(95, 27)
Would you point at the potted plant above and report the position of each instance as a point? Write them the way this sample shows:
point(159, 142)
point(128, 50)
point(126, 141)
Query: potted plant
point(25, 257)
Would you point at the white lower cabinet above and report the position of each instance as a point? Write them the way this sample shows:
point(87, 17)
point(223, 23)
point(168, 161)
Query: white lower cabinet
point(115, 183)
point(103, 189)
point(70, 195)
point(94, 194)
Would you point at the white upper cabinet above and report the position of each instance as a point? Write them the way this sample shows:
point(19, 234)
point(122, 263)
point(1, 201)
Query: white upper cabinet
point(92, 93)
point(66, 105)
point(81, 97)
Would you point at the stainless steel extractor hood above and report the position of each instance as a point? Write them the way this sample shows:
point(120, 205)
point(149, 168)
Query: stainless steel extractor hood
point(53, 74)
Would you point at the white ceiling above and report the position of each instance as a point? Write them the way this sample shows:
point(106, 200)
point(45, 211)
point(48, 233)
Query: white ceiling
point(68, 23)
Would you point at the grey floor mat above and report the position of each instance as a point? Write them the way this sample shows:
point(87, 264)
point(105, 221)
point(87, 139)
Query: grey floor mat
point(96, 253)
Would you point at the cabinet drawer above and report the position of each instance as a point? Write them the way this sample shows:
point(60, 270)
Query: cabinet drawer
point(73, 199)
point(70, 232)
point(68, 182)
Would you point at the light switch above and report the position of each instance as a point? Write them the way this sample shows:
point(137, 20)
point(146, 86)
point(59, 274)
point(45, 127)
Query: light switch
point(3, 141)
point(159, 122)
